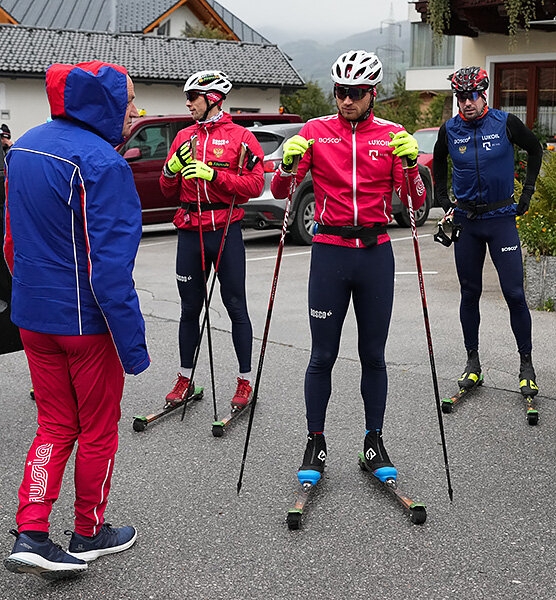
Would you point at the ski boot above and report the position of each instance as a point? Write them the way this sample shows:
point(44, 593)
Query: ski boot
point(472, 374)
point(243, 394)
point(177, 395)
point(313, 460)
point(527, 384)
point(377, 458)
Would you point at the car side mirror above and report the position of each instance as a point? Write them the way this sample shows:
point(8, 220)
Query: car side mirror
point(133, 154)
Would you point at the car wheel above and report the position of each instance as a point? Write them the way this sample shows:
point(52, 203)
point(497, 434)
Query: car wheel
point(421, 214)
point(301, 229)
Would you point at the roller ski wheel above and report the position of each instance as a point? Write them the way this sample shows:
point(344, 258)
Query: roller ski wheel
point(218, 427)
point(140, 422)
point(532, 413)
point(448, 404)
point(294, 520)
point(417, 511)
point(418, 514)
point(532, 417)
point(295, 514)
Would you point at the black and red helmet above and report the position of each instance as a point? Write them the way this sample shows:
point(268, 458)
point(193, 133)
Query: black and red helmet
point(469, 79)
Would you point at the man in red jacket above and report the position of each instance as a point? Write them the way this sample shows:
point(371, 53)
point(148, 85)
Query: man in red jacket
point(207, 168)
point(354, 159)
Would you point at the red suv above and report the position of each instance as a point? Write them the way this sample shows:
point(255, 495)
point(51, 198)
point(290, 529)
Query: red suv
point(147, 147)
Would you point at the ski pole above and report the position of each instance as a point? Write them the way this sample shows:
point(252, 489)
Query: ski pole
point(293, 185)
point(427, 324)
point(217, 265)
point(206, 300)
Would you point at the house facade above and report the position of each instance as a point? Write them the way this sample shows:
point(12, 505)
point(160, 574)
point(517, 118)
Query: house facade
point(148, 39)
point(522, 69)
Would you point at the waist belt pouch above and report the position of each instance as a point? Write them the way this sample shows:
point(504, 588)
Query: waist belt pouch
point(368, 235)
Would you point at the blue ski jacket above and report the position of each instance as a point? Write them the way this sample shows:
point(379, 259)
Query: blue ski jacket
point(73, 215)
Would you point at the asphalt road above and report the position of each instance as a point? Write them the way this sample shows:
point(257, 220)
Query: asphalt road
point(177, 483)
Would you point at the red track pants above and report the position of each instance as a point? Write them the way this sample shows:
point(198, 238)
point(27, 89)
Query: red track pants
point(78, 383)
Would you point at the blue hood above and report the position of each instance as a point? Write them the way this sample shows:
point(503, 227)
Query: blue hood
point(92, 93)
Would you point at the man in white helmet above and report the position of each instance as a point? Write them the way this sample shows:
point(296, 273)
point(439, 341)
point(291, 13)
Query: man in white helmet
point(355, 161)
point(206, 164)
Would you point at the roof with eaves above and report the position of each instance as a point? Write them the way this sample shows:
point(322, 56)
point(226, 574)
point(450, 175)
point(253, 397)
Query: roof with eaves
point(28, 51)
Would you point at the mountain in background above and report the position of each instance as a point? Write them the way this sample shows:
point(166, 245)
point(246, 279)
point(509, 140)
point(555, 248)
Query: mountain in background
point(391, 43)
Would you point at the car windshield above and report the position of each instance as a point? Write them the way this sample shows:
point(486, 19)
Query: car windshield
point(426, 138)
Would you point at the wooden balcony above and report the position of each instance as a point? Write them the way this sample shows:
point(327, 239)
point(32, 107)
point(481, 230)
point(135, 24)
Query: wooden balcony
point(471, 17)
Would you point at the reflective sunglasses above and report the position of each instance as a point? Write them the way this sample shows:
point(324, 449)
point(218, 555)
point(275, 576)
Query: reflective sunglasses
point(192, 96)
point(463, 96)
point(355, 93)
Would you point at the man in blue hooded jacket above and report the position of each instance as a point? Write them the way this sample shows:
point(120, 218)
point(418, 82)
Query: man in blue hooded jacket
point(73, 227)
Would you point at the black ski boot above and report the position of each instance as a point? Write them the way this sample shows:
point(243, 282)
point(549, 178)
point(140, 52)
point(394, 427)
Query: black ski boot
point(377, 458)
point(313, 460)
point(527, 377)
point(472, 374)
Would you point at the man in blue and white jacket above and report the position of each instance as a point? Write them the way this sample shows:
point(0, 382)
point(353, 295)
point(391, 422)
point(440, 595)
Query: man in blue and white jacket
point(73, 227)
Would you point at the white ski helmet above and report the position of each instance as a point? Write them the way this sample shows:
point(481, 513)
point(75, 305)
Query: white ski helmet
point(208, 81)
point(357, 67)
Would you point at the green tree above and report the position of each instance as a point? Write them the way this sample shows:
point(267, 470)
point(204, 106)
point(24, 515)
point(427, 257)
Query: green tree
point(205, 32)
point(309, 103)
point(435, 114)
point(403, 107)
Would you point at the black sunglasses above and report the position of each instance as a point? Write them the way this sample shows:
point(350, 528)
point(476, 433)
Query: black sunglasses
point(463, 96)
point(192, 96)
point(355, 93)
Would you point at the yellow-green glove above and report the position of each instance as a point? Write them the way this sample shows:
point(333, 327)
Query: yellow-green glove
point(294, 146)
point(180, 159)
point(405, 144)
point(197, 168)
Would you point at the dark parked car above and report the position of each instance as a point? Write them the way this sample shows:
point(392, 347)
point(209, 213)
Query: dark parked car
point(147, 147)
point(267, 212)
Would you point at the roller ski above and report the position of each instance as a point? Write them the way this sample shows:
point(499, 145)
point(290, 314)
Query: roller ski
point(375, 461)
point(180, 396)
point(309, 474)
point(239, 404)
point(528, 388)
point(470, 379)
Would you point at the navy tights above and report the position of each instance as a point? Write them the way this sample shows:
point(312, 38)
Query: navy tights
point(231, 276)
point(500, 236)
point(337, 275)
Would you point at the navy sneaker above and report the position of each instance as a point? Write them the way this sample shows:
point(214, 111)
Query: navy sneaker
point(43, 559)
point(109, 540)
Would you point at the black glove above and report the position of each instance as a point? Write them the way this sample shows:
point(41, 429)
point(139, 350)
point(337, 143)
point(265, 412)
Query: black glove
point(524, 200)
point(445, 203)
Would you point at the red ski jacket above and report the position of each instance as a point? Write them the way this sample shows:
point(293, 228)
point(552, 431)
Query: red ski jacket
point(219, 146)
point(354, 173)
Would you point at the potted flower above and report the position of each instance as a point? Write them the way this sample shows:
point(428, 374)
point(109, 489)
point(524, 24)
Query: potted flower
point(537, 231)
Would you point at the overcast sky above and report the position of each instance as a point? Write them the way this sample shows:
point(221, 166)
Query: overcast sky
point(323, 20)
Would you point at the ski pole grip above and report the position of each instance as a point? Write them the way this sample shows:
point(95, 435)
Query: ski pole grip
point(295, 164)
point(242, 154)
point(193, 143)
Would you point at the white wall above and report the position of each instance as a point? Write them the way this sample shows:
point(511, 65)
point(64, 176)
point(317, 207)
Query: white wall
point(170, 99)
point(23, 102)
